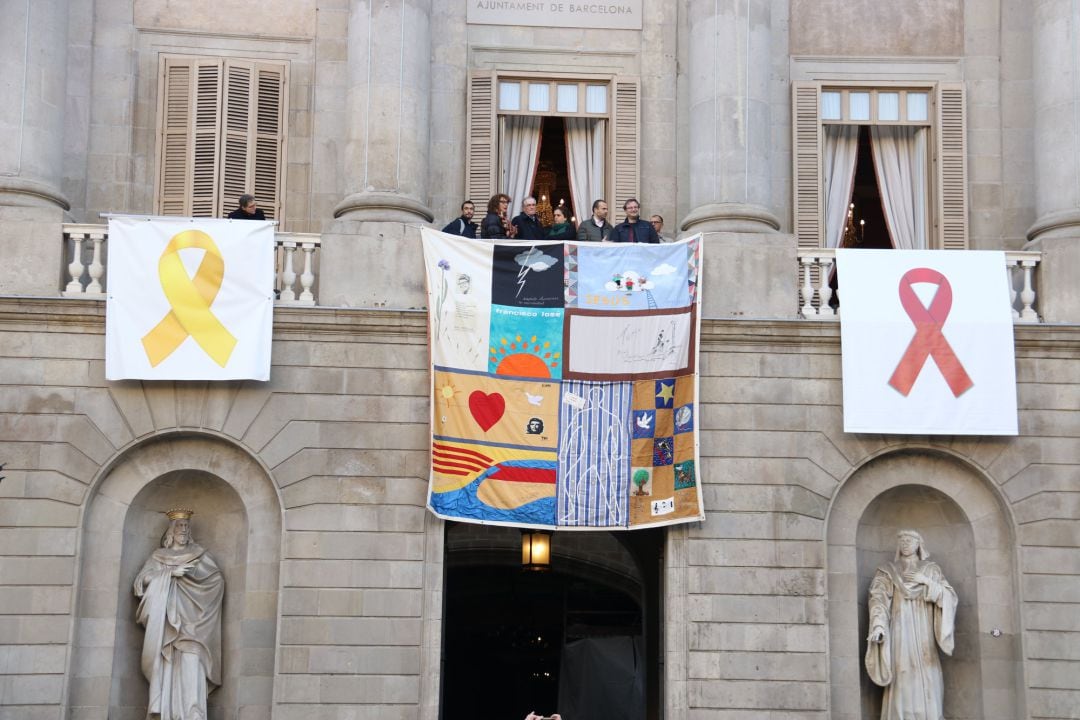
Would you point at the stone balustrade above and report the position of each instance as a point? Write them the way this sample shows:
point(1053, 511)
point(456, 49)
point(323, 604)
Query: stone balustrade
point(816, 269)
point(296, 263)
point(287, 264)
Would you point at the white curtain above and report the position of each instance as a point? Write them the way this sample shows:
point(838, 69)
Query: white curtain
point(519, 144)
point(900, 165)
point(585, 159)
point(838, 160)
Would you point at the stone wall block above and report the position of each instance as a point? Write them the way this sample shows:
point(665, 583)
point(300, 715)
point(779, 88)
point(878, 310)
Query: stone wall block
point(32, 659)
point(767, 696)
point(763, 267)
point(34, 236)
point(350, 631)
point(1052, 703)
point(1062, 617)
point(354, 545)
point(1050, 588)
point(35, 570)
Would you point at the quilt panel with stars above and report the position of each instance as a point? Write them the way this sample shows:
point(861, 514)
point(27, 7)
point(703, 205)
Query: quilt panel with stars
point(564, 387)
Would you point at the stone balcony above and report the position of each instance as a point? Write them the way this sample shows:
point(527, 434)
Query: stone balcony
point(297, 261)
point(816, 293)
point(86, 273)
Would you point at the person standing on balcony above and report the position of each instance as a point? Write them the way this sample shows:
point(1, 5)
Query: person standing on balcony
point(496, 226)
point(657, 222)
point(463, 226)
point(633, 229)
point(527, 223)
point(248, 210)
point(597, 227)
point(563, 228)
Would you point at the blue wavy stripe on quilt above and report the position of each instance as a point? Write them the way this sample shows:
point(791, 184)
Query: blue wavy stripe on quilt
point(464, 503)
point(594, 456)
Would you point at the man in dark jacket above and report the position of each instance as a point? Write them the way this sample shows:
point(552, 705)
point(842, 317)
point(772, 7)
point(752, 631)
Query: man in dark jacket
point(248, 210)
point(597, 227)
point(633, 228)
point(527, 223)
point(463, 226)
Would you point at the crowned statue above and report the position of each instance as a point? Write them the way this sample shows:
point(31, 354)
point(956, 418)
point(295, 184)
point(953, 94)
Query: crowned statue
point(180, 589)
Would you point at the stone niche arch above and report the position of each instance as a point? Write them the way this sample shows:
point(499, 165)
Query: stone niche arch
point(237, 519)
point(969, 534)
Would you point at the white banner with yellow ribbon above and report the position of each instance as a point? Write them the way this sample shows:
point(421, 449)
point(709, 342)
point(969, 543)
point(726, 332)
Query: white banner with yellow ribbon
point(189, 299)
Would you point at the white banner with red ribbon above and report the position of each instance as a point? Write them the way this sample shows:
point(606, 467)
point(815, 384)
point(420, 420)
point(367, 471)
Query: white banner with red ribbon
point(927, 341)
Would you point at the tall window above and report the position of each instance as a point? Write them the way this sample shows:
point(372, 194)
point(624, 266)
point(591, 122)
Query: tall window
point(221, 133)
point(915, 136)
point(600, 120)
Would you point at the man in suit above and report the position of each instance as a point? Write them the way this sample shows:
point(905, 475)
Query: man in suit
point(597, 227)
point(528, 223)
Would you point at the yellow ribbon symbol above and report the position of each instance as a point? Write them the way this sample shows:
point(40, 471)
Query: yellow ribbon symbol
point(190, 299)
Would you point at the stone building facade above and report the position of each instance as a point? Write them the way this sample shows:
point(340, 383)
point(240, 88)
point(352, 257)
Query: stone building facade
point(310, 488)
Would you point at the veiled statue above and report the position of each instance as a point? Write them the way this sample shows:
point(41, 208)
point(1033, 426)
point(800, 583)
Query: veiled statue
point(180, 589)
point(912, 614)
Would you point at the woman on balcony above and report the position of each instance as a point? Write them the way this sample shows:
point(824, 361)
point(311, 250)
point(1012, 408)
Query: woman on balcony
point(563, 228)
point(496, 224)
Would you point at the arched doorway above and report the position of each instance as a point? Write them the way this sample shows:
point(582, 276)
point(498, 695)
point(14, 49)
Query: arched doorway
point(581, 638)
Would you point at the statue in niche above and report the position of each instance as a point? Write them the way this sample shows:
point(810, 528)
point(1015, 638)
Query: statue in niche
point(180, 589)
point(912, 614)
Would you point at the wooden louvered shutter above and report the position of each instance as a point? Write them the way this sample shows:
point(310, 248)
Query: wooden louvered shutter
point(237, 136)
point(951, 167)
point(188, 132)
point(806, 169)
point(626, 143)
point(206, 176)
point(252, 134)
point(480, 138)
point(221, 133)
point(268, 185)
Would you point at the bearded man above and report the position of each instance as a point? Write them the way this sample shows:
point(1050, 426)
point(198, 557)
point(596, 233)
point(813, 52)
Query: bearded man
point(181, 589)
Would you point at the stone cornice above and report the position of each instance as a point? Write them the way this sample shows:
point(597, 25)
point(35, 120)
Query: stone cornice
point(322, 324)
point(337, 324)
point(823, 337)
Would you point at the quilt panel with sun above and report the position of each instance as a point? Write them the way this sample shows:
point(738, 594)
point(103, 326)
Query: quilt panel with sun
point(564, 387)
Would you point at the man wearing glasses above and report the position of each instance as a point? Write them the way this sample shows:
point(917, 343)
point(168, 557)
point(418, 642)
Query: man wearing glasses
point(633, 229)
point(657, 222)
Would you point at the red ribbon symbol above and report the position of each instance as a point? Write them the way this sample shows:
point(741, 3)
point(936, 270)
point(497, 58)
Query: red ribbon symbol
point(928, 340)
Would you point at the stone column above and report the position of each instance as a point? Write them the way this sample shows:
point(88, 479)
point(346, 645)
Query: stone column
point(730, 124)
point(33, 71)
point(1056, 232)
point(370, 254)
point(730, 119)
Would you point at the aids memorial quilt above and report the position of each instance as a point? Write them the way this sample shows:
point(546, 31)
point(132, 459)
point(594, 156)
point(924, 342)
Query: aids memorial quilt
point(564, 385)
point(189, 299)
point(927, 340)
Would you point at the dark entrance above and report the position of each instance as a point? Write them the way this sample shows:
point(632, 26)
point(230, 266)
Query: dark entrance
point(869, 229)
point(551, 184)
point(516, 641)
